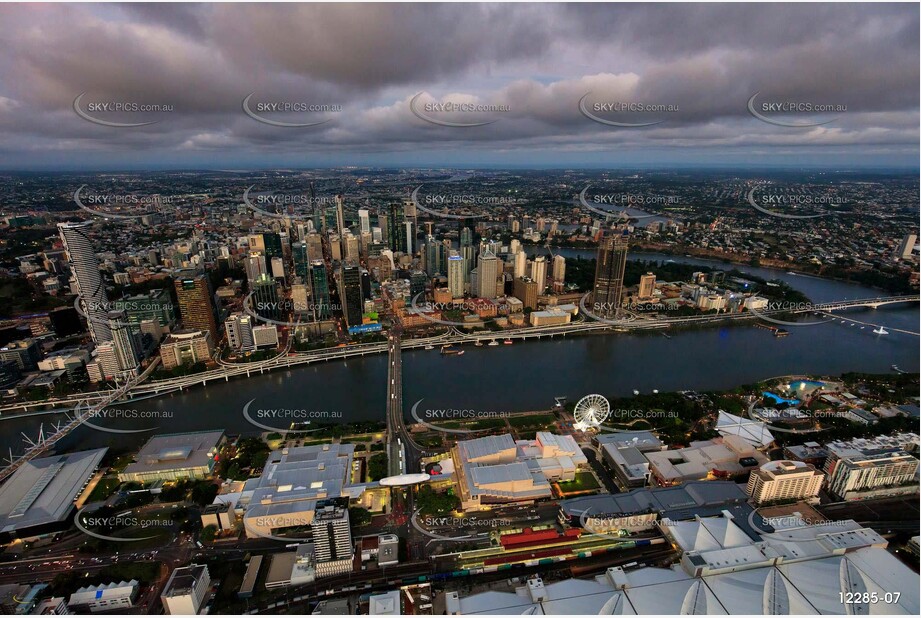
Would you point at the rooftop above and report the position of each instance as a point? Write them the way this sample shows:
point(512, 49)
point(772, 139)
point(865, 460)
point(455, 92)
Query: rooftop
point(43, 490)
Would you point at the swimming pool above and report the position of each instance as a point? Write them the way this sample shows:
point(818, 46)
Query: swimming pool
point(779, 399)
point(805, 384)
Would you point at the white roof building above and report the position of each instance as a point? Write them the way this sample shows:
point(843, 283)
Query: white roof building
point(753, 432)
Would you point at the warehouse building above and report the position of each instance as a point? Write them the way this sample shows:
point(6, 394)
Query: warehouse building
point(40, 495)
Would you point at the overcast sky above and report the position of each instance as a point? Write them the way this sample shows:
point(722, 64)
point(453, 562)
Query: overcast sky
point(536, 61)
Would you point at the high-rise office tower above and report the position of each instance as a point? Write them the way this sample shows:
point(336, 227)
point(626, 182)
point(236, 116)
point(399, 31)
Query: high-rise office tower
point(314, 247)
point(239, 328)
point(84, 266)
point(487, 273)
point(559, 270)
point(332, 540)
point(265, 298)
point(330, 220)
point(514, 245)
point(196, 307)
point(466, 237)
point(647, 286)
point(300, 258)
point(319, 290)
point(350, 244)
point(278, 268)
point(340, 215)
point(457, 274)
point(272, 245)
point(349, 281)
point(300, 299)
point(608, 290)
point(396, 233)
point(335, 247)
point(364, 221)
point(520, 268)
point(409, 226)
point(539, 273)
point(126, 343)
point(417, 281)
point(525, 290)
point(254, 266)
point(434, 256)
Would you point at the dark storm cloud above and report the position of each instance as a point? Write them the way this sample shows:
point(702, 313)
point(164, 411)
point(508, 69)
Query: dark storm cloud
point(539, 60)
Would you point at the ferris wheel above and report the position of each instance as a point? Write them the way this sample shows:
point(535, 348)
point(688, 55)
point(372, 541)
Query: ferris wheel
point(591, 411)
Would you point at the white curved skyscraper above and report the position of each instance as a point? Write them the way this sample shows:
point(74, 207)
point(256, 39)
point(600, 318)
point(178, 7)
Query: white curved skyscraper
point(84, 265)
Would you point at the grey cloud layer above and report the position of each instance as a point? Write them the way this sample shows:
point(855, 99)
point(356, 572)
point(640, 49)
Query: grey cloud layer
point(371, 59)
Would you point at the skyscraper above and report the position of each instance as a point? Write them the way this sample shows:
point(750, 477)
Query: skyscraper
point(364, 221)
point(265, 298)
point(301, 261)
point(239, 328)
point(319, 289)
point(608, 290)
point(396, 234)
point(457, 273)
point(539, 273)
point(332, 540)
point(254, 266)
point(647, 286)
point(520, 264)
point(409, 226)
point(559, 272)
point(350, 294)
point(487, 273)
point(314, 247)
point(434, 256)
point(196, 307)
point(127, 346)
point(525, 290)
point(84, 266)
point(272, 245)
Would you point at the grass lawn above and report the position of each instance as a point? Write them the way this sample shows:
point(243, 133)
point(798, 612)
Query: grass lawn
point(584, 481)
point(533, 420)
point(103, 489)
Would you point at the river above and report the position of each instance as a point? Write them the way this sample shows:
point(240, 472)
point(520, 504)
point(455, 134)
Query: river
point(528, 375)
